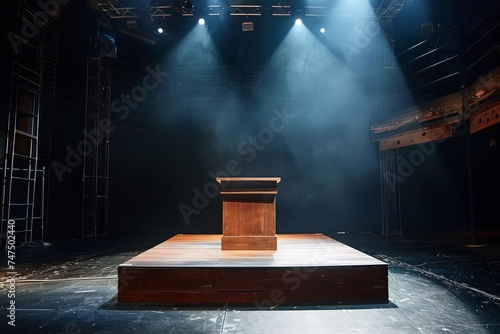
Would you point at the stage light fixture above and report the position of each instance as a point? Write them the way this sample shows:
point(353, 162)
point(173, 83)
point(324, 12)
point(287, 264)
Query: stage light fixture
point(160, 30)
point(427, 29)
point(247, 26)
point(131, 24)
point(298, 22)
point(201, 21)
point(187, 4)
point(108, 46)
point(322, 30)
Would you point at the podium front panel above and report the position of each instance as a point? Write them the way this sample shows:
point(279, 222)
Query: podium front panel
point(248, 213)
point(249, 218)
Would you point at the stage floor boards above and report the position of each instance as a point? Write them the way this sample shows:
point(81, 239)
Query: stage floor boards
point(192, 269)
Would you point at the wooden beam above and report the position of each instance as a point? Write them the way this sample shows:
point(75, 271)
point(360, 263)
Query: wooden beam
point(486, 118)
point(416, 137)
point(419, 116)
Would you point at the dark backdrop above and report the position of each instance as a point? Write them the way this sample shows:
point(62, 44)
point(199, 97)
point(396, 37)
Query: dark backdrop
point(225, 86)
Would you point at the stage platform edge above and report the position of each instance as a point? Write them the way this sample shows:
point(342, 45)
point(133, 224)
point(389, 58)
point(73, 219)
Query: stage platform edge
point(191, 269)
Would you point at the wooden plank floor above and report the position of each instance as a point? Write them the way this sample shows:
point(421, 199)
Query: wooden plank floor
point(306, 268)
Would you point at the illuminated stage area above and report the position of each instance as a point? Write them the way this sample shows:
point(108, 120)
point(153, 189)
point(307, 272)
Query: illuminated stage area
point(306, 268)
point(250, 166)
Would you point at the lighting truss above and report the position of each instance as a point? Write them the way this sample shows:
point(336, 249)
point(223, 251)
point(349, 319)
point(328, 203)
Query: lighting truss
point(214, 10)
point(316, 11)
point(114, 9)
point(121, 13)
point(245, 10)
point(391, 11)
point(187, 11)
point(386, 15)
point(279, 10)
point(161, 11)
point(123, 9)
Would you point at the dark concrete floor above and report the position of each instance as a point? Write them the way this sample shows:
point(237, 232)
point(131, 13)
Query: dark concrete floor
point(435, 286)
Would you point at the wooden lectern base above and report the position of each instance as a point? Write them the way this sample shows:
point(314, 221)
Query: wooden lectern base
point(249, 213)
point(257, 242)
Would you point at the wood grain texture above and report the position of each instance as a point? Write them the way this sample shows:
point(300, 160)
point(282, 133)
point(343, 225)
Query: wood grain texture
point(306, 268)
point(248, 219)
point(248, 213)
point(269, 242)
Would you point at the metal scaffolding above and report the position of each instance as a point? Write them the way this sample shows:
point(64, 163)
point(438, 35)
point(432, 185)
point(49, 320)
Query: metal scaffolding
point(96, 148)
point(23, 186)
point(388, 159)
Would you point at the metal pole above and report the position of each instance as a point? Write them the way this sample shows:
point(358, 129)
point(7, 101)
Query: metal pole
point(42, 213)
point(472, 225)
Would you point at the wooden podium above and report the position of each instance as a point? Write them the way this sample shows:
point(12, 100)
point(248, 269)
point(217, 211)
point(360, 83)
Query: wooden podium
point(248, 212)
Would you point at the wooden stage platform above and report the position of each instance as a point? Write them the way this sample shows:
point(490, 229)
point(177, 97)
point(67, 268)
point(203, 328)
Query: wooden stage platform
point(191, 269)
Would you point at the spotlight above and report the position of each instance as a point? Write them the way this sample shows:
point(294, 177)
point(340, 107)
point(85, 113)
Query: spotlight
point(298, 22)
point(201, 22)
point(160, 30)
point(322, 30)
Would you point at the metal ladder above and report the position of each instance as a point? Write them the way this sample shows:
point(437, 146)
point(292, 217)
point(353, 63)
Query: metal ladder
point(21, 150)
point(96, 148)
point(32, 88)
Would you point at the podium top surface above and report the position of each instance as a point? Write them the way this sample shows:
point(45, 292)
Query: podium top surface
point(247, 179)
